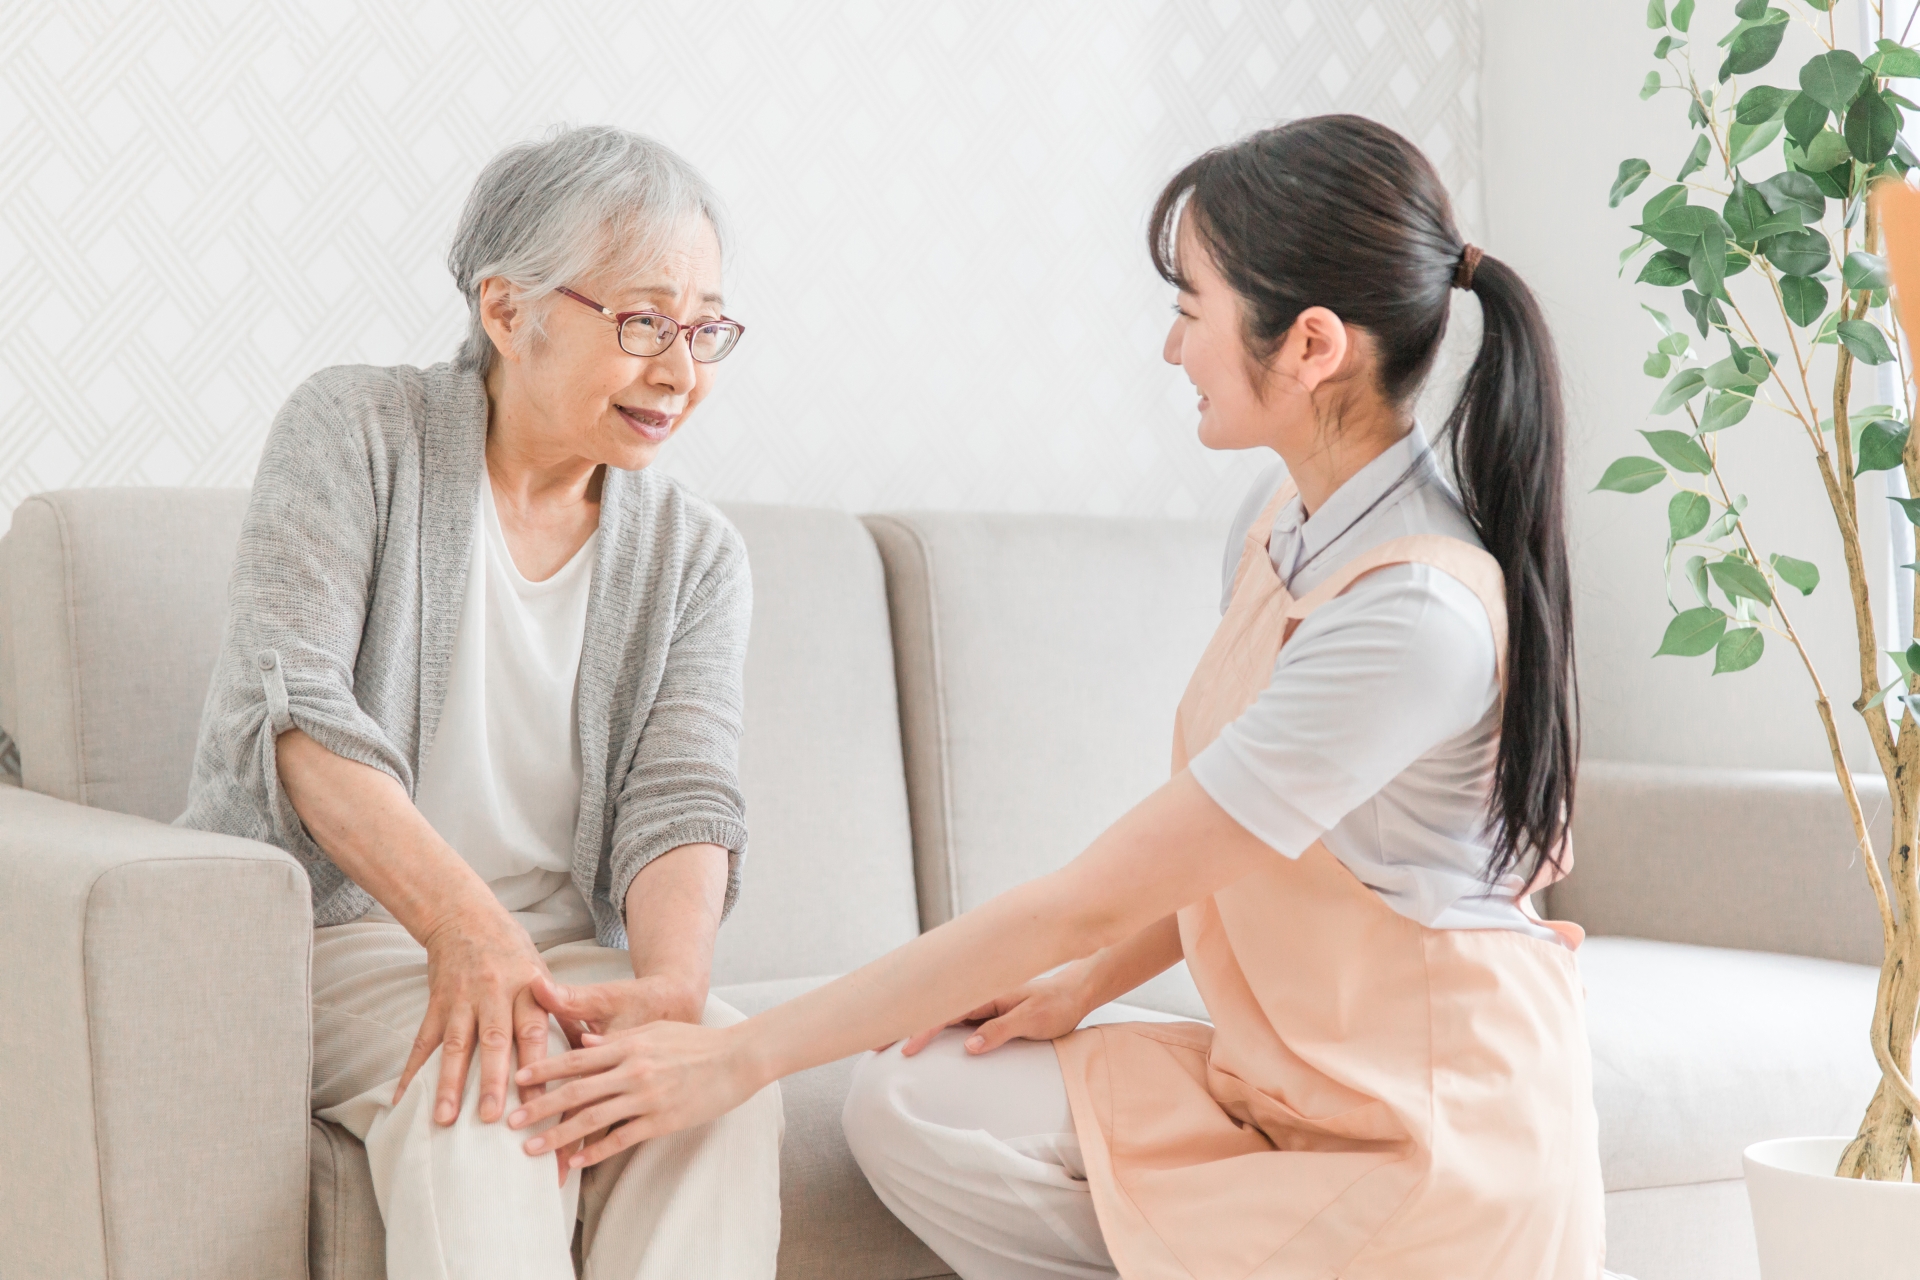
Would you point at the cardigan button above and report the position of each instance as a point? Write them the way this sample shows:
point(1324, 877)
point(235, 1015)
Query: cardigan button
point(266, 661)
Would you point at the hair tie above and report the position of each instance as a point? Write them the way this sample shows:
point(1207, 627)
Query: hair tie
point(1469, 259)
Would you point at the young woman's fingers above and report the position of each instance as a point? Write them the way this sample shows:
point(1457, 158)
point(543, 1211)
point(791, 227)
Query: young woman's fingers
point(597, 1055)
point(425, 1041)
point(584, 1123)
point(456, 1050)
point(560, 1099)
point(616, 1140)
point(990, 1035)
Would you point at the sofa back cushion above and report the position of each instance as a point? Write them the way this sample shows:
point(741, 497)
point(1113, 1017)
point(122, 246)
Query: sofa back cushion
point(1041, 659)
point(114, 604)
point(1758, 859)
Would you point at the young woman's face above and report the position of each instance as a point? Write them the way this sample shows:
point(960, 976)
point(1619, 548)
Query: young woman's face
point(1208, 341)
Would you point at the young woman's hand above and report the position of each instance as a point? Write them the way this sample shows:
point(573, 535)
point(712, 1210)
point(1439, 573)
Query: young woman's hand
point(635, 1084)
point(1044, 1009)
point(481, 968)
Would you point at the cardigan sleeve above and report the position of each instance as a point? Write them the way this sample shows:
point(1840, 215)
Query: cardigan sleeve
point(684, 783)
point(297, 607)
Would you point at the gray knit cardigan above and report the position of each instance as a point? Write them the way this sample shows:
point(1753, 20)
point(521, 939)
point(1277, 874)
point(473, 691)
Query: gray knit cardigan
point(346, 594)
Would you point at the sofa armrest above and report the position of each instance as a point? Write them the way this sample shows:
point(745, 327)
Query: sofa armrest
point(156, 984)
point(1760, 860)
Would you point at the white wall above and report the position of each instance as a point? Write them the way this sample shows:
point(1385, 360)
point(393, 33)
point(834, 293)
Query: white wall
point(1561, 113)
point(941, 206)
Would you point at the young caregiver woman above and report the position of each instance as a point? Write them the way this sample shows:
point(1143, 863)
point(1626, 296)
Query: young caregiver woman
point(1371, 767)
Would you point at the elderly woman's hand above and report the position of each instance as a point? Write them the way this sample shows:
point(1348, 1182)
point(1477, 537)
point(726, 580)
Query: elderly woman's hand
point(605, 1008)
point(481, 967)
point(637, 1084)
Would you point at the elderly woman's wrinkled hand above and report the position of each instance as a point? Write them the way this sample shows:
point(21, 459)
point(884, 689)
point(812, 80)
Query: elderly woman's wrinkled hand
point(481, 968)
point(634, 1085)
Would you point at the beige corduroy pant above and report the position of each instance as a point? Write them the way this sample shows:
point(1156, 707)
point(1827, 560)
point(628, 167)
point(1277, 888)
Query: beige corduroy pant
point(465, 1202)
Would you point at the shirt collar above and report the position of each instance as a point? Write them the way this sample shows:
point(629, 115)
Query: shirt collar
point(1361, 490)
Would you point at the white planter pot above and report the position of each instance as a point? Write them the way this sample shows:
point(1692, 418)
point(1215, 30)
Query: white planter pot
point(1814, 1226)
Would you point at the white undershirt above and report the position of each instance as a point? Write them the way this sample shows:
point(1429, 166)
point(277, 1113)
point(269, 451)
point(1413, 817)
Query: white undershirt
point(502, 778)
point(1378, 731)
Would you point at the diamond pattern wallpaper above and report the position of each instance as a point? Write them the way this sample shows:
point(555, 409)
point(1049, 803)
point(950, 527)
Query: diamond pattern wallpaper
point(940, 209)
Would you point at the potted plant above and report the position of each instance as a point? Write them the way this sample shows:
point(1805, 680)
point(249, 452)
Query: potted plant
point(1793, 260)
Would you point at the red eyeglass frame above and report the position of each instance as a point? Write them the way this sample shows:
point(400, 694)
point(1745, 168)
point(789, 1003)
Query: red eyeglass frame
point(679, 328)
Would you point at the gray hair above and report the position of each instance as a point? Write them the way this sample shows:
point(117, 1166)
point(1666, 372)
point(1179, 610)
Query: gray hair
point(544, 213)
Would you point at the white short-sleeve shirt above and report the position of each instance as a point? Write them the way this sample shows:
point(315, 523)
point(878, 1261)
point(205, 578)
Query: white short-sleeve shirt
point(1378, 731)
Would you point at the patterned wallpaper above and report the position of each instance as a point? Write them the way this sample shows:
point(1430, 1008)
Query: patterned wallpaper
point(940, 207)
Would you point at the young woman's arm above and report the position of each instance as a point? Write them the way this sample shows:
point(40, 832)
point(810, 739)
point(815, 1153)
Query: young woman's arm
point(1173, 848)
point(1051, 1005)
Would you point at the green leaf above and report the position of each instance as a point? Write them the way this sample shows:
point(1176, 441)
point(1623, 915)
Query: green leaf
point(1693, 633)
point(1828, 150)
point(1895, 61)
point(1744, 141)
point(1696, 159)
point(1683, 453)
point(1656, 14)
point(1696, 571)
point(1707, 263)
point(1793, 194)
point(1656, 364)
point(1751, 10)
point(1666, 268)
point(1650, 86)
point(1706, 312)
point(1687, 514)
point(1666, 45)
point(1632, 174)
point(1724, 409)
point(1804, 298)
point(1626, 254)
point(1872, 125)
point(1865, 270)
point(1804, 118)
point(1864, 339)
point(1909, 505)
point(1762, 103)
point(1753, 48)
point(1740, 579)
point(1738, 650)
point(1832, 78)
point(1682, 14)
point(1660, 318)
point(1880, 447)
point(1798, 253)
point(1661, 201)
point(1685, 386)
point(1733, 372)
point(1632, 475)
point(1798, 574)
point(1675, 344)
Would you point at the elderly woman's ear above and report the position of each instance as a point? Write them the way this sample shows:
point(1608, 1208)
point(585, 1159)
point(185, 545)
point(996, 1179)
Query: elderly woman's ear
point(502, 314)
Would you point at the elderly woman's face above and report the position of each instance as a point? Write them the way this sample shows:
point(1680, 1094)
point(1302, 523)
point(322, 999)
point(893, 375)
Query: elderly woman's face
point(586, 394)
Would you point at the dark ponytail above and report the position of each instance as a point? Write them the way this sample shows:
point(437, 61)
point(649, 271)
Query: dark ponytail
point(1341, 212)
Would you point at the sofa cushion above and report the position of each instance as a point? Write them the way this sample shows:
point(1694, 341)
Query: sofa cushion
point(116, 601)
point(1700, 1051)
point(828, 880)
point(1762, 859)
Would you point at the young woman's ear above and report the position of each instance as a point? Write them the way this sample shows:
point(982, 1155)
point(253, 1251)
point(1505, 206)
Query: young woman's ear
point(1313, 350)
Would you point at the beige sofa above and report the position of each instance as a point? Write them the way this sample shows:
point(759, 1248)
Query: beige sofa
point(938, 706)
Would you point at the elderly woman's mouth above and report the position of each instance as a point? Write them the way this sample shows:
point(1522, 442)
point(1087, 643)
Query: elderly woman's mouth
point(650, 423)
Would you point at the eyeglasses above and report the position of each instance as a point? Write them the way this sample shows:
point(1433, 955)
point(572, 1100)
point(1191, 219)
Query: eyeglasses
point(648, 333)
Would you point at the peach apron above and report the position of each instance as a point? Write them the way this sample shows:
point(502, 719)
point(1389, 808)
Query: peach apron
point(1376, 1100)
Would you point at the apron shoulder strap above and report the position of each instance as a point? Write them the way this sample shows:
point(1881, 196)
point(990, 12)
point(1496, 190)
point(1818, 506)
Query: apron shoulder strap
point(1471, 566)
point(1253, 548)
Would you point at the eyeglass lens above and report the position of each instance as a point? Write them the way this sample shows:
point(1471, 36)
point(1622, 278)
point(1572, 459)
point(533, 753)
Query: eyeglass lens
point(651, 335)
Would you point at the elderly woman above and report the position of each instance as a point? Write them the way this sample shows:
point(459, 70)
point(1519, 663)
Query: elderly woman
point(482, 676)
